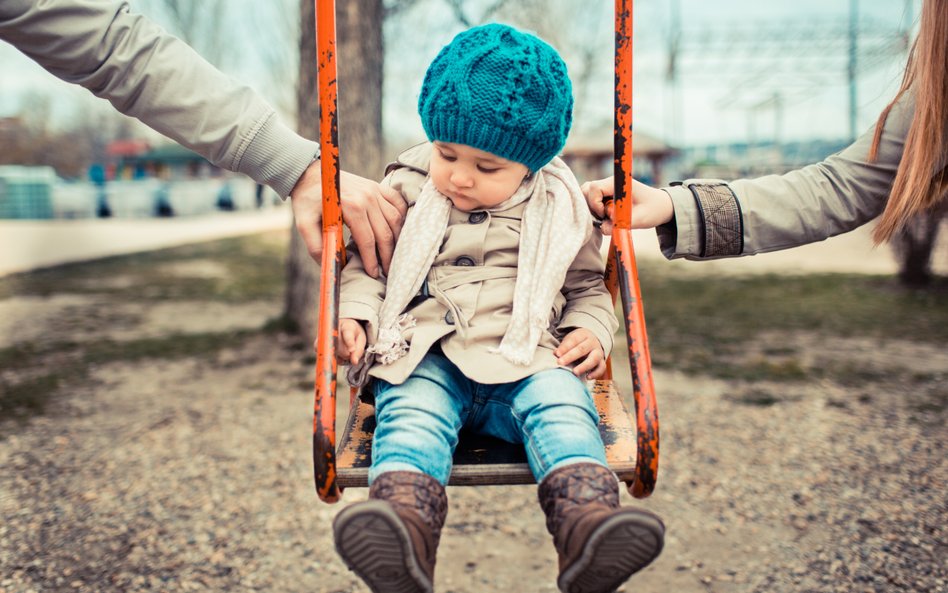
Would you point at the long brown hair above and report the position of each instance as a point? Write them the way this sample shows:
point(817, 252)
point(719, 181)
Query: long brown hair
point(918, 186)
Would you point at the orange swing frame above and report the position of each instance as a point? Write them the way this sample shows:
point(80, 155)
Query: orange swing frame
point(631, 439)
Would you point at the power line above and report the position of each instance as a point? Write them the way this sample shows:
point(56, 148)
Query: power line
point(764, 64)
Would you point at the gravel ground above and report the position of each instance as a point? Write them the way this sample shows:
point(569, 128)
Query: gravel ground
point(195, 475)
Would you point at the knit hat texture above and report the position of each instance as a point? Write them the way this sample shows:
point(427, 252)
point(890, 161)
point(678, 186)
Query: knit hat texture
point(499, 90)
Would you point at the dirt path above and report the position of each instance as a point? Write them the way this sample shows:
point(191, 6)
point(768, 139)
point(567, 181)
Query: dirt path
point(195, 475)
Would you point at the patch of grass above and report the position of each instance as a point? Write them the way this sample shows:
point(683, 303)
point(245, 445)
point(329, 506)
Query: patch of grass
point(852, 374)
point(936, 401)
point(763, 370)
point(281, 324)
point(728, 310)
point(166, 347)
point(772, 350)
point(760, 397)
point(26, 398)
point(254, 264)
point(251, 268)
point(701, 325)
point(19, 355)
point(21, 399)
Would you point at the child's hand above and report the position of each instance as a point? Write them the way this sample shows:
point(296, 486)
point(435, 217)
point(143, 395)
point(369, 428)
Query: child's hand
point(351, 343)
point(578, 344)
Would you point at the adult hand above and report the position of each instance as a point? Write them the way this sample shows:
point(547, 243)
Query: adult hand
point(373, 213)
point(650, 206)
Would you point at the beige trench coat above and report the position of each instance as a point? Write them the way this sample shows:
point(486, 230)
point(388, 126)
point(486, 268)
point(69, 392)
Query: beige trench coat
point(471, 287)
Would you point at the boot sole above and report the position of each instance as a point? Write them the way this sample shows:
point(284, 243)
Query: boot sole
point(623, 545)
point(374, 544)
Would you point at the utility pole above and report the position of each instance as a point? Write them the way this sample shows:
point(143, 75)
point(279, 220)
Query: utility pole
point(851, 70)
point(778, 119)
point(673, 115)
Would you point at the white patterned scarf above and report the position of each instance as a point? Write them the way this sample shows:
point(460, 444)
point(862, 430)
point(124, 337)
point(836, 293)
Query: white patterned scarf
point(556, 223)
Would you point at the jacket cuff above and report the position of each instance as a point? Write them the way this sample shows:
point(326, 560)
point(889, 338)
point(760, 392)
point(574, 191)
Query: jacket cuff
point(723, 227)
point(277, 156)
point(362, 311)
point(682, 236)
point(707, 224)
point(576, 319)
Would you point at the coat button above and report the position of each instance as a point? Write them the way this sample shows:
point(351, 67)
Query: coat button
point(449, 318)
point(477, 217)
point(464, 261)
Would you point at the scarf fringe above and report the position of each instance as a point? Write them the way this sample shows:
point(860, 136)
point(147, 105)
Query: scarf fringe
point(391, 345)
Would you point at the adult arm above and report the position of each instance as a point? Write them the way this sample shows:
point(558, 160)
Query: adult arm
point(148, 74)
point(715, 219)
point(707, 219)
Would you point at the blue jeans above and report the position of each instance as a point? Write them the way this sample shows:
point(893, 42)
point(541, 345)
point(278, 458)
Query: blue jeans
point(551, 413)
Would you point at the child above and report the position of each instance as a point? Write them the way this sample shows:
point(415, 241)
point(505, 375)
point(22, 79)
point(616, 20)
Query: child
point(494, 292)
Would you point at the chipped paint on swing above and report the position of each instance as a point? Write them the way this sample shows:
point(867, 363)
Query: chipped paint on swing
point(625, 271)
point(324, 414)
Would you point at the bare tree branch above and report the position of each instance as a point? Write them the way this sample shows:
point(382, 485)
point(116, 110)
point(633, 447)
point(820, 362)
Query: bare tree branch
point(496, 6)
point(457, 8)
point(202, 24)
point(393, 7)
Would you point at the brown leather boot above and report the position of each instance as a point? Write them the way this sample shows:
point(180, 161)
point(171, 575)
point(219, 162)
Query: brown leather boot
point(391, 540)
point(599, 543)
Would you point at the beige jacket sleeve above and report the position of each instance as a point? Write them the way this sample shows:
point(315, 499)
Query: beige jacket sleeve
point(360, 295)
point(588, 302)
point(717, 219)
point(153, 76)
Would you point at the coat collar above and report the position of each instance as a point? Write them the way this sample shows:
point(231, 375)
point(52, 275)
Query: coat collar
point(417, 158)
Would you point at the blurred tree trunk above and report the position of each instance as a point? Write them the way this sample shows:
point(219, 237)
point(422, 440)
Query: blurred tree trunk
point(359, 64)
point(913, 247)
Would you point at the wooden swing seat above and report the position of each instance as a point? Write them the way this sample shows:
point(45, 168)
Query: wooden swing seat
point(484, 460)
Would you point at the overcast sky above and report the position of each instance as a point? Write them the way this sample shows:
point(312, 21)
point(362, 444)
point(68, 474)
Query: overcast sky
point(715, 96)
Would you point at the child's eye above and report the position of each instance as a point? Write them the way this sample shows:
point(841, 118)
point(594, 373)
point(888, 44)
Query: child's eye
point(448, 158)
point(487, 170)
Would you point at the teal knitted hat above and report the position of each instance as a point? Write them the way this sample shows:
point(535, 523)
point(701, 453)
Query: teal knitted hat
point(499, 90)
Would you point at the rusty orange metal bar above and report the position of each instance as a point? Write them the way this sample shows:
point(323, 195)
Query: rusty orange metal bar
point(646, 408)
point(622, 207)
point(324, 413)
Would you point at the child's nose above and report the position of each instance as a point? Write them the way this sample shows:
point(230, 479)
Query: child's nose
point(460, 178)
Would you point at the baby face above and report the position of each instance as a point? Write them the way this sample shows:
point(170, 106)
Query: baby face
point(474, 179)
